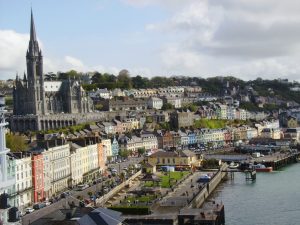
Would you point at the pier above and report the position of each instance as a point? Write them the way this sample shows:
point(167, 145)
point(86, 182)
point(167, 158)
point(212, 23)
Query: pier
point(250, 175)
point(283, 160)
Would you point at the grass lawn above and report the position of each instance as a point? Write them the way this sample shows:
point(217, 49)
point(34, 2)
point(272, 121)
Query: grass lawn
point(167, 179)
point(171, 178)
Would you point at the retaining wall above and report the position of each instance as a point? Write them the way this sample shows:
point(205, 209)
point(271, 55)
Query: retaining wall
point(200, 198)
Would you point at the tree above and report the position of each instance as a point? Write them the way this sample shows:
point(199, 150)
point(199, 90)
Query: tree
point(191, 107)
point(124, 80)
point(72, 74)
point(140, 82)
point(167, 106)
point(164, 126)
point(124, 153)
point(141, 151)
point(16, 143)
point(122, 176)
point(109, 158)
point(210, 164)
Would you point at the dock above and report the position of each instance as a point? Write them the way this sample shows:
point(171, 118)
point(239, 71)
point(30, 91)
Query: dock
point(283, 160)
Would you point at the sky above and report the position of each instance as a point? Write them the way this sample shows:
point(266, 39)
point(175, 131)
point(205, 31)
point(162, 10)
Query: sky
point(203, 38)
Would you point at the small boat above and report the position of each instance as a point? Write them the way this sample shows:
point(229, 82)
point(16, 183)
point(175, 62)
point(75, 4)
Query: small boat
point(261, 168)
point(233, 165)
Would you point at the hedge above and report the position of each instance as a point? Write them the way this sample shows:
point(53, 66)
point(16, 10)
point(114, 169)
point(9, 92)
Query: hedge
point(133, 210)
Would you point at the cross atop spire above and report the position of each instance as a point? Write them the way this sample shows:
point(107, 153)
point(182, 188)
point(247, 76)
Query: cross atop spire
point(32, 29)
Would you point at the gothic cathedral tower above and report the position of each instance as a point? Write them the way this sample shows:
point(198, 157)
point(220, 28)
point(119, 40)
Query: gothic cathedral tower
point(35, 77)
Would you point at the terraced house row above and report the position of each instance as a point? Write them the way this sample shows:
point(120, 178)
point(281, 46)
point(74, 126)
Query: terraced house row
point(43, 172)
point(60, 161)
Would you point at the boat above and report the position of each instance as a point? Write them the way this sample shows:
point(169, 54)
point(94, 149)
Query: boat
point(233, 165)
point(261, 168)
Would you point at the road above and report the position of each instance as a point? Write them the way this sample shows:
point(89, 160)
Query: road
point(120, 166)
point(35, 215)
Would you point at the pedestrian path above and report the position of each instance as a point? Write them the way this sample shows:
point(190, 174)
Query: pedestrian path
point(179, 196)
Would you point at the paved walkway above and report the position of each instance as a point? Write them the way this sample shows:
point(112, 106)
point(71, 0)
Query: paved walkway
point(179, 196)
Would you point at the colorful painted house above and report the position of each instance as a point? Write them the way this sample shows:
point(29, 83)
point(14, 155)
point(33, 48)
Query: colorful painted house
point(38, 177)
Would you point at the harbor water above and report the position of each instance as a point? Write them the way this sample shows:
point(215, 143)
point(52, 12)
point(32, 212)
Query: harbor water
point(273, 199)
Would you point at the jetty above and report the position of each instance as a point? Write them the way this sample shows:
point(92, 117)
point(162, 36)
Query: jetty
point(283, 160)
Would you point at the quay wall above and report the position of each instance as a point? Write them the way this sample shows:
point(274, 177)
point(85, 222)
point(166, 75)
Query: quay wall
point(208, 188)
point(282, 161)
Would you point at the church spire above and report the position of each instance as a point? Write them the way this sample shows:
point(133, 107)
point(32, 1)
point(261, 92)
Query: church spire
point(32, 29)
point(33, 48)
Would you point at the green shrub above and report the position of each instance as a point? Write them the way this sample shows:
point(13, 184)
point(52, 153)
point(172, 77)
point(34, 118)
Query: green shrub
point(132, 210)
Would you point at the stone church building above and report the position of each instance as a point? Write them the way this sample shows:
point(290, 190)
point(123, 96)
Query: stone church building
point(43, 105)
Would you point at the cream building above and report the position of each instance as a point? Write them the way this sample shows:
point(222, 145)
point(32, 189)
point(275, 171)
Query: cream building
point(56, 169)
point(184, 158)
point(79, 161)
point(149, 141)
point(106, 143)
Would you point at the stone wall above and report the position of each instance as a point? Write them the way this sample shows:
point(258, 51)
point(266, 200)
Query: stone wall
point(208, 188)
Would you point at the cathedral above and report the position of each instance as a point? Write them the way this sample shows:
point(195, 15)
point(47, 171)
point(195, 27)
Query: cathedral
point(33, 95)
point(42, 105)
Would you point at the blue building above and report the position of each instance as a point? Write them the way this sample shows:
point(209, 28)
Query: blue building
point(192, 138)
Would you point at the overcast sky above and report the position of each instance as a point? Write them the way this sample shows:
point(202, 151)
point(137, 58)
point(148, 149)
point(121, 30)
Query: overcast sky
point(242, 38)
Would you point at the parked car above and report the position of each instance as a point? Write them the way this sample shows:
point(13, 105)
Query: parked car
point(64, 194)
point(47, 203)
point(81, 187)
point(29, 210)
point(39, 206)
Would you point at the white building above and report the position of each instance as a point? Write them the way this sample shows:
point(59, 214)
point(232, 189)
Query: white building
point(23, 180)
point(155, 103)
point(7, 178)
point(93, 166)
point(101, 93)
point(175, 101)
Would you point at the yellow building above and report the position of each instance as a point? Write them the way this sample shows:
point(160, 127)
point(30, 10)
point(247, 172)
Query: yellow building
point(184, 158)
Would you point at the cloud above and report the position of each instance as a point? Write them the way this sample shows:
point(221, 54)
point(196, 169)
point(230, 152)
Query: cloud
point(74, 63)
point(231, 36)
point(13, 48)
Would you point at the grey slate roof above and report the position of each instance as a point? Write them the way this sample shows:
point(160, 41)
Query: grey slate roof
point(101, 216)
